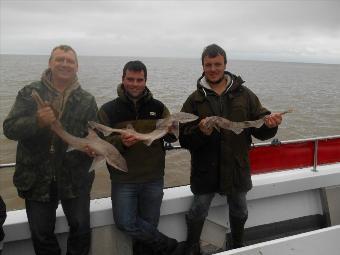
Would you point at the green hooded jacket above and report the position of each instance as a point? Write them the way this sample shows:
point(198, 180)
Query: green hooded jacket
point(220, 162)
point(41, 155)
point(145, 163)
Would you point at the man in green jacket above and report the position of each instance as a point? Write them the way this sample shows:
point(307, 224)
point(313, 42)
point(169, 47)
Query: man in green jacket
point(137, 195)
point(45, 173)
point(219, 160)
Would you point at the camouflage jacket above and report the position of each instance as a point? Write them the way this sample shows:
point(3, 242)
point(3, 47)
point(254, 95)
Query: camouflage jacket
point(36, 164)
point(220, 162)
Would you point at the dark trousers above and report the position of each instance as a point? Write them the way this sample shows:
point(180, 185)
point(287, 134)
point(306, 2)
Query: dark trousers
point(136, 210)
point(200, 206)
point(238, 214)
point(42, 217)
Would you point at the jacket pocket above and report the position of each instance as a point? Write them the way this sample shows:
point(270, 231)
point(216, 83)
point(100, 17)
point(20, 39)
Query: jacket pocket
point(24, 177)
point(76, 173)
point(242, 177)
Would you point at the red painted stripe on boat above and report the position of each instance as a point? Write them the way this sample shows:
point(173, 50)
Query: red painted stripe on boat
point(329, 151)
point(281, 157)
point(270, 158)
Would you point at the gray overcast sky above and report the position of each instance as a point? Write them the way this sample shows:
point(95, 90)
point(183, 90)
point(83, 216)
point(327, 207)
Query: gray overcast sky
point(303, 31)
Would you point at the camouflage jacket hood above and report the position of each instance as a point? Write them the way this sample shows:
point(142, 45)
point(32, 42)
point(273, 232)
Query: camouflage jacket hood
point(57, 98)
point(36, 167)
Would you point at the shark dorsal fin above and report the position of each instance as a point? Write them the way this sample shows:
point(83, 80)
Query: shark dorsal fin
point(91, 133)
point(175, 128)
point(129, 126)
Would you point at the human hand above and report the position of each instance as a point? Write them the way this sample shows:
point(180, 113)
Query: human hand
point(207, 130)
point(128, 140)
point(273, 120)
point(45, 116)
point(173, 128)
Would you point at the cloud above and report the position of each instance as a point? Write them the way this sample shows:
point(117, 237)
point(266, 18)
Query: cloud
point(277, 30)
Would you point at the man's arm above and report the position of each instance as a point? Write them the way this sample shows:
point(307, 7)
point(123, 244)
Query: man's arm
point(257, 111)
point(114, 139)
point(21, 122)
point(2, 217)
point(192, 137)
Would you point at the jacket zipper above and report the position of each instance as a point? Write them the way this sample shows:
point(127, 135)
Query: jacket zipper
point(52, 148)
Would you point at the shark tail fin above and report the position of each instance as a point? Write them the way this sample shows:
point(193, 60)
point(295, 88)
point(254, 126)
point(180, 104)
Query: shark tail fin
point(175, 128)
point(106, 133)
point(237, 130)
point(217, 127)
point(129, 126)
point(148, 142)
point(95, 163)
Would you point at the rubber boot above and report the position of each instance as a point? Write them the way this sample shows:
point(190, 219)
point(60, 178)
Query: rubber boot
point(142, 248)
point(237, 231)
point(193, 236)
point(165, 245)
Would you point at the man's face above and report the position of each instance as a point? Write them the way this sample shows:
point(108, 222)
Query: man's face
point(134, 83)
point(214, 68)
point(63, 65)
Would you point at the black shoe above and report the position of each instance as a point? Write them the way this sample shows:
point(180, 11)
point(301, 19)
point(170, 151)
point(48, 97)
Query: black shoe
point(179, 249)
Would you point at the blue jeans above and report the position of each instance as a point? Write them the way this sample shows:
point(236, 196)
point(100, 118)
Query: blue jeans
point(42, 217)
point(201, 203)
point(136, 208)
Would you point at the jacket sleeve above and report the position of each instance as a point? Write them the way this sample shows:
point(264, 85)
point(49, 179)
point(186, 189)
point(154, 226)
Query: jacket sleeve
point(169, 137)
point(2, 217)
point(257, 111)
point(191, 137)
point(21, 121)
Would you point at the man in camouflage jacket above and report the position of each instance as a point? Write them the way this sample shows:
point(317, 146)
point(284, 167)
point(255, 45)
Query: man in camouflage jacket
point(45, 173)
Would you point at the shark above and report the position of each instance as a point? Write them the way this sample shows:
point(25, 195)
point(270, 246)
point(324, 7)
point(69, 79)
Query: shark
point(218, 122)
point(101, 148)
point(163, 126)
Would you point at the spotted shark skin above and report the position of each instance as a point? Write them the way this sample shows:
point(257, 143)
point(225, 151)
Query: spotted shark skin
point(162, 127)
point(237, 127)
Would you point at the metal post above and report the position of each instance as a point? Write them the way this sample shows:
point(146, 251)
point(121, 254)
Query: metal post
point(7, 165)
point(315, 163)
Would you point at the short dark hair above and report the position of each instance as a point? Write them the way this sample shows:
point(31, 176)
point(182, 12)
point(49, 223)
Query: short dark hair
point(65, 48)
point(135, 66)
point(212, 51)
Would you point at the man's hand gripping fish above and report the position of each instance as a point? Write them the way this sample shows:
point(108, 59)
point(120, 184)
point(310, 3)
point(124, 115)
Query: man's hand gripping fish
point(237, 127)
point(101, 148)
point(162, 127)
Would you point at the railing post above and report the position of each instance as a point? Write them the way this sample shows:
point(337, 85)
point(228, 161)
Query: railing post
point(315, 163)
point(7, 165)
